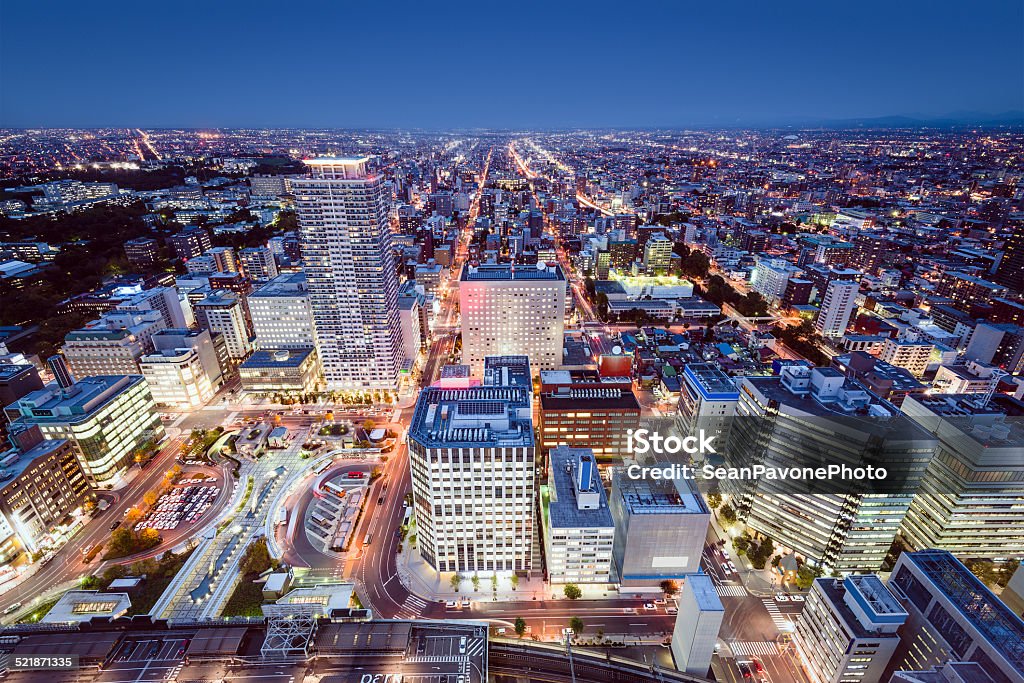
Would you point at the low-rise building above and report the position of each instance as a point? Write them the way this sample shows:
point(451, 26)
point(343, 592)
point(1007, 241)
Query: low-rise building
point(280, 370)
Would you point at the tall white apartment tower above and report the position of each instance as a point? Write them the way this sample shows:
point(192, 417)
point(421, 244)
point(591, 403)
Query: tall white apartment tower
point(350, 270)
point(836, 308)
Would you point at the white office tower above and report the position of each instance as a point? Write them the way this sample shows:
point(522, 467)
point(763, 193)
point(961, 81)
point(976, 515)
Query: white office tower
point(353, 283)
point(222, 312)
point(836, 308)
point(472, 458)
point(697, 624)
point(176, 377)
point(281, 314)
point(848, 629)
point(163, 299)
point(508, 309)
point(578, 527)
point(815, 417)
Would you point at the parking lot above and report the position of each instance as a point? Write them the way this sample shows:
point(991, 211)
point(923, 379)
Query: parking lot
point(186, 502)
point(146, 659)
point(446, 658)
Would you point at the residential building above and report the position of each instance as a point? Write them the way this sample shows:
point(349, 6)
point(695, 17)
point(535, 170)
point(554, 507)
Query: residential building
point(658, 254)
point(512, 310)
point(836, 308)
point(107, 417)
point(224, 259)
point(142, 252)
point(953, 616)
point(660, 527)
point(190, 243)
point(222, 312)
point(258, 263)
point(343, 209)
point(847, 631)
point(578, 527)
point(999, 344)
point(472, 456)
point(771, 277)
point(910, 355)
point(698, 621)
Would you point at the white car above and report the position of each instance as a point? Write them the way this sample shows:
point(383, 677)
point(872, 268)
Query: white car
point(781, 597)
point(796, 597)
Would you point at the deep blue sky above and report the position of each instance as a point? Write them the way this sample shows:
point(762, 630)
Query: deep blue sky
point(494, 63)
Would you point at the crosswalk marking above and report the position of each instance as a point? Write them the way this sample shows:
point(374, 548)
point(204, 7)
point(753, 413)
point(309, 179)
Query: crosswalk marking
point(411, 607)
point(780, 620)
point(731, 591)
point(476, 647)
point(754, 648)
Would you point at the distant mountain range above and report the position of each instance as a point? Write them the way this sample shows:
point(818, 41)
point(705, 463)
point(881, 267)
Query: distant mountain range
point(959, 119)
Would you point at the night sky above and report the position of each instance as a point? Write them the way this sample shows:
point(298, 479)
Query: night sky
point(512, 64)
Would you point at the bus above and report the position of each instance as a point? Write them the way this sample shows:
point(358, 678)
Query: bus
point(369, 537)
point(319, 469)
point(282, 516)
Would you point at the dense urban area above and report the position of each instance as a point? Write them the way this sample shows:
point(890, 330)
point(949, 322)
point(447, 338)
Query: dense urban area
point(340, 406)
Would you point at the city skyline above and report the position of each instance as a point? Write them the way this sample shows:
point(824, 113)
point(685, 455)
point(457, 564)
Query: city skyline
point(590, 65)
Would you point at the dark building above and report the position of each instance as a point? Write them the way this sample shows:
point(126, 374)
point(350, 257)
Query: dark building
point(17, 381)
point(1011, 269)
point(190, 243)
point(142, 252)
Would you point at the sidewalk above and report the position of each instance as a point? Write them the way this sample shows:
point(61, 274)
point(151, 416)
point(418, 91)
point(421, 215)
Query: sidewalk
point(420, 578)
point(760, 583)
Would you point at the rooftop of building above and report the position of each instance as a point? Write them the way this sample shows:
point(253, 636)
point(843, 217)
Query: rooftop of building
point(994, 620)
point(84, 397)
point(284, 285)
point(10, 370)
point(563, 510)
point(78, 606)
point(505, 272)
point(711, 382)
point(704, 592)
point(219, 298)
point(823, 392)
point(658, 496)
point(277, 358)
point(12, 467)
point(835, 590)
point(609, 398)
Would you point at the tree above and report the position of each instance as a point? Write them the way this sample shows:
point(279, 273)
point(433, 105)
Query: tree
point(514, 579)
point(714, 500)
point(456, 581)
point(572, 591)
point(577, 625)
point(257, 557)
point(520, 626)
point(476, 583)
point(669, 587)
point(494, 583)
point(727, 515)
point(806, 575)
point(369, 425)
point(150, 498)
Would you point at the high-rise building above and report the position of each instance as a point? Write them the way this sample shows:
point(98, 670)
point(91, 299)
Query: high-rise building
point(221, 312)
point(771, 276)
point(113, 344)
point(658, 254)
point(707, 400)
point(107, 417)
point(17, 380)
point(698, 621)
point(343, 210)
point(176, 377)
point(847, 630)
point(578, 527)
point(810, 417)
point(281, 314)
point(210, 347)
point(224, 259)
point(1011, 267)
point(512, 310)
point(1000, 344)
point(258, 263)
point(472, 456)
point(969, 501)
point(953, 616)
point(836, 308)
point(163, 299)
point(660, 526)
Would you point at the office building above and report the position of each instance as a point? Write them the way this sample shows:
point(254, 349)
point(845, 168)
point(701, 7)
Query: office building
point(971, 498)
point(258, 263)
point(414, 336)
point(282, 317)
point(472, 456)
point(512, 310)
point(909, 355)
point(578, 527)
point(41, 484)
point(210, 347)
point(190, 243)
point(162, 299)
point(658, 254)
point(280, 371)
point(698, 622)
point(142, 252)
point(343, 210)
point(660, 526)
point(107, 417)
point(836, 308)
point(813, 417)
point(113, 344)
point(267, 186)
point(771, 277)
point(707, 400)
point(847, 630)
point(17, 380)
point(953, 616)
point(222, 312)
point(587, 417)
point(999, 344)
point(177, 378)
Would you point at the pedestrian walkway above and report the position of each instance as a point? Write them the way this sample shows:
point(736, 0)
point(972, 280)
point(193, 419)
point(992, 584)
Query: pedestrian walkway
point(781, 622)
point(412, 607)
point(731, 591)
point(754, 648)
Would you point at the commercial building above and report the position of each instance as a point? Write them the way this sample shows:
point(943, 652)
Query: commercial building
point(999, 344)
point(836, 308)
point(814, 417)
point(113, 344)
point(512, 310)
point(847, 630)
point(343, 210)
point(578, 527)
point(472, 456)
point(585, 417)
point(282, 317)
point(41, 483)
point(953, 616)
point(969, 500)
point(17, 380)
point(258, 263)
point(213, 352)
point(222, 312)
point(280, 370)
point(698, 622)
point(107, 417)
point(177, 378)
point(660, 526)
point(909, 355)
point(707, 400)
